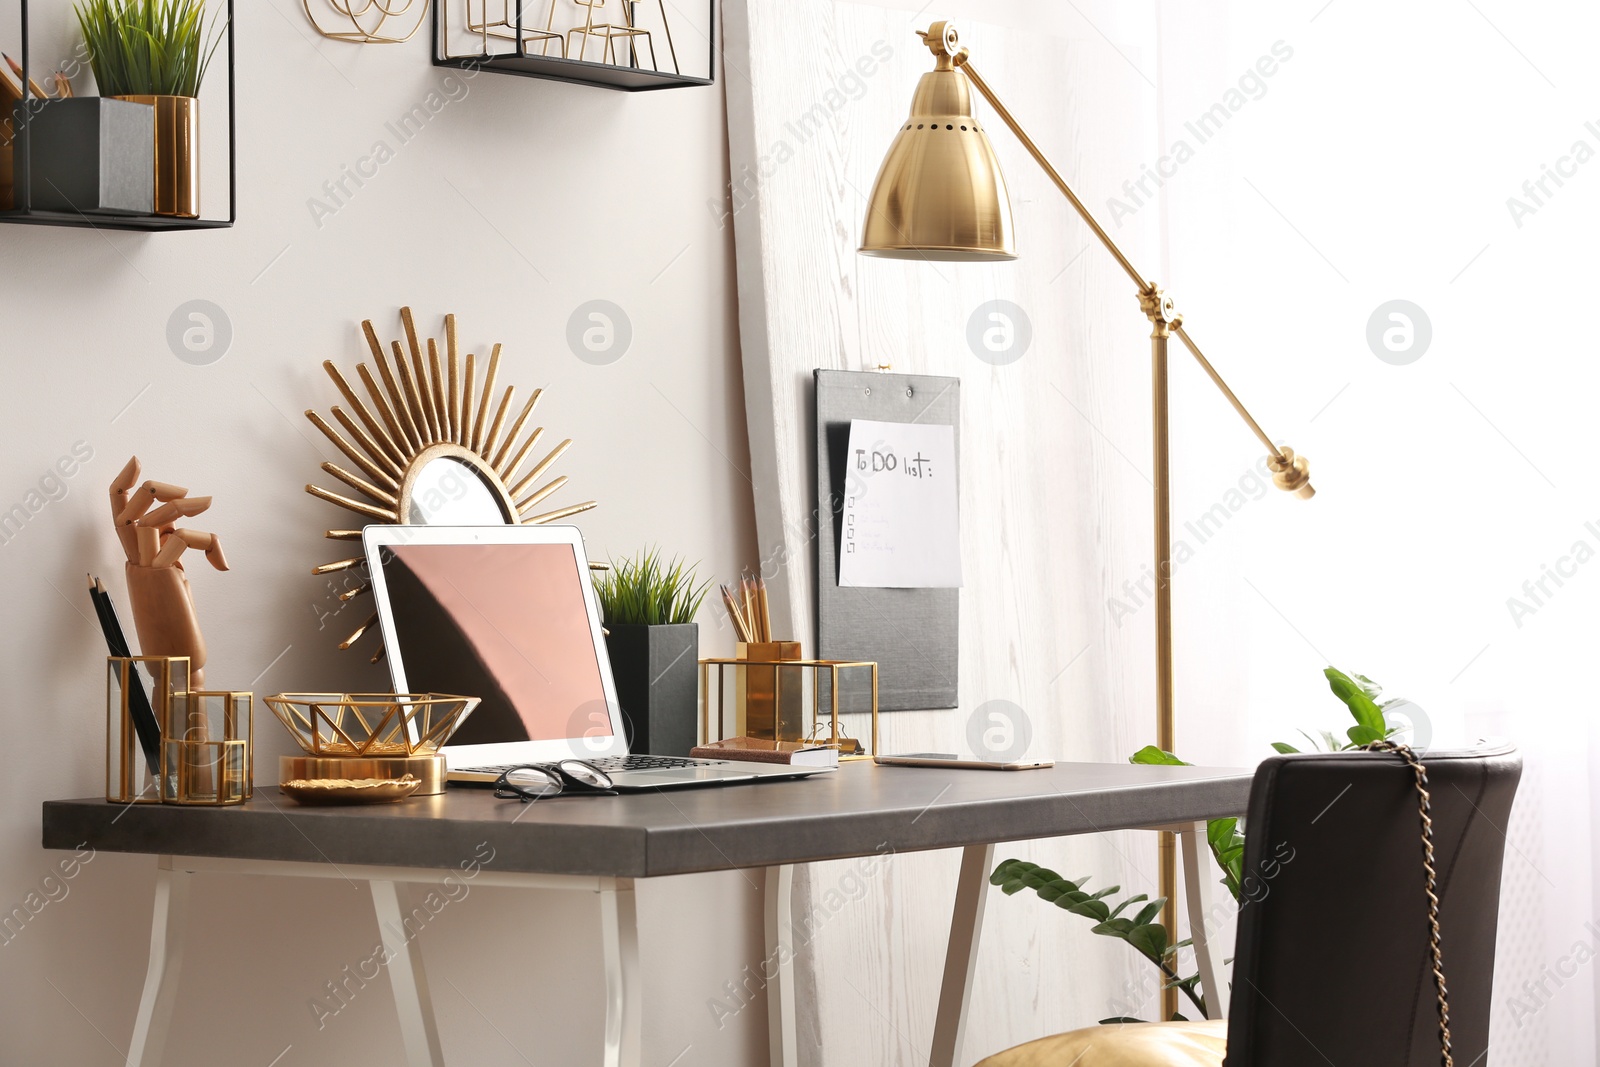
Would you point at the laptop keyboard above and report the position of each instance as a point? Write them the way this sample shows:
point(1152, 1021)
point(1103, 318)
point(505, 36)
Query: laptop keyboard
point(648, 763)
point(611, 764)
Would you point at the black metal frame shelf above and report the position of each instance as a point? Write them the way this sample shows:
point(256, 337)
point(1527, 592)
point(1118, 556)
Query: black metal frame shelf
point(24, 214)
point(527, 64)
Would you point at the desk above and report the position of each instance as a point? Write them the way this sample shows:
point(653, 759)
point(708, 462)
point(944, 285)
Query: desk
point(602, 844)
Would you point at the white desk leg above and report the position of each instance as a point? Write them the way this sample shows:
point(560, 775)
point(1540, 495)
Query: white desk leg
point(409, 981)
point(778, 967)
point(1198, 876)
point(961, 957)
point(166, 960)
point(619, 934)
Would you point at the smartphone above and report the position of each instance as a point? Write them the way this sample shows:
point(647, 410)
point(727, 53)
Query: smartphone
point(951, 759)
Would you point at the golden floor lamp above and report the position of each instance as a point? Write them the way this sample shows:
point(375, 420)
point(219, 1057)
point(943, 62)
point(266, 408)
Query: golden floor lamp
point(940, 196)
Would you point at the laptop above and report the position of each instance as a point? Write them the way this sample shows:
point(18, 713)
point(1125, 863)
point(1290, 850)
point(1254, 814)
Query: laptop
point(508, 614)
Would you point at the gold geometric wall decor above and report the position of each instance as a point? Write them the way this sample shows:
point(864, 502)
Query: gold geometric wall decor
point(432, 445)
point(369, 20)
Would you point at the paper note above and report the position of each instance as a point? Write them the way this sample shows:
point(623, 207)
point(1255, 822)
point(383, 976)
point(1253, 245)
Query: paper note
point(901, 525)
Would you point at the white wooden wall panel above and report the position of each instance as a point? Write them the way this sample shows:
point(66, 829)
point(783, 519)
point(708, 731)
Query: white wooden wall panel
point(1055, 491)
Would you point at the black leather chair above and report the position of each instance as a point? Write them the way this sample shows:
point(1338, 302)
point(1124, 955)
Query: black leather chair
point(1332, 964)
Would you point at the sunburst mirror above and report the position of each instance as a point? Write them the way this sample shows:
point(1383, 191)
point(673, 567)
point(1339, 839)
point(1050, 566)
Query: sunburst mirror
point(433, 446)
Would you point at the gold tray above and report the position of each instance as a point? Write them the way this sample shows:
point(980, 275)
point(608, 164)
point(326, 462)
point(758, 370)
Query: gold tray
point(350, 790)
point(429, 769)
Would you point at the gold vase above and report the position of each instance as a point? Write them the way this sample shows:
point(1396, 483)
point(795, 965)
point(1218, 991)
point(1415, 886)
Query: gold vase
point(177, 154)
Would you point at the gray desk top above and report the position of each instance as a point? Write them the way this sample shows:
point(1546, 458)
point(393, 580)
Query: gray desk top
point(858, 810)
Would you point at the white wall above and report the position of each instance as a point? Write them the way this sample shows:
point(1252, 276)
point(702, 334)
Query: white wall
point(1372, 163)
point(1390, 142)
point(1377, 165)
point(517, 202)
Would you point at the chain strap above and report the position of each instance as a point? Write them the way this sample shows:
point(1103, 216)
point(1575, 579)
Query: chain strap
point(1425, 808)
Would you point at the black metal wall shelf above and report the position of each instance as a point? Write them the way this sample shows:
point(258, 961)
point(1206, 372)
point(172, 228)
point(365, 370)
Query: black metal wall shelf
point(529, 64)
point(24, 215)
point(141, 223)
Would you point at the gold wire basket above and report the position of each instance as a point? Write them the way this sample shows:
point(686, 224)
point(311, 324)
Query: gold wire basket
point(371, 725)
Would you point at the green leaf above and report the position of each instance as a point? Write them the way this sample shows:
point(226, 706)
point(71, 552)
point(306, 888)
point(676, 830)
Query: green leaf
point(1227, 848)
point(1113, 927)
point(1007, 871)
point(1356, 697)
point(1150, 939)
point(1284, 749)
point(1149, 911)
point(1151, 756)
point(1364, 735)
point(1119, 1019)
point(1368, 686)
point(1136, 898)
point(1091, 909)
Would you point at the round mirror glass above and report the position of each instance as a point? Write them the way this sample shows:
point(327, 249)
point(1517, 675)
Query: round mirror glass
point(448, 492)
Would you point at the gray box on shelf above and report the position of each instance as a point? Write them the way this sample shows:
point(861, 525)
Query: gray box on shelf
point(91, 154)
point(657, 671)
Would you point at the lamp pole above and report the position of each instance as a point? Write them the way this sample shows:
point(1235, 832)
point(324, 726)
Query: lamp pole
point(1290, 472)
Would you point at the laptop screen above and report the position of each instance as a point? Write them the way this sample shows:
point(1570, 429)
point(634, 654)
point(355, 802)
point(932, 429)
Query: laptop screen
point(503, 622)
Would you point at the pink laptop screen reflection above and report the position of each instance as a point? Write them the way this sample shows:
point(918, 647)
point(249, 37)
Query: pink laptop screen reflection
point(506, 623)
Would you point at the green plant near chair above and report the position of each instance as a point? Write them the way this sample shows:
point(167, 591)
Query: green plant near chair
point(1142, 929)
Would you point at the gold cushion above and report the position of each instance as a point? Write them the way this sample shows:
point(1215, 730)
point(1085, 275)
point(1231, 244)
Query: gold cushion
point(1197, 1044)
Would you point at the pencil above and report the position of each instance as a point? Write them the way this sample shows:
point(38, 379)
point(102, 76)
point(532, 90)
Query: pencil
point(11, 91)
point(33, 86)
point(739, 624)
point(766, 615)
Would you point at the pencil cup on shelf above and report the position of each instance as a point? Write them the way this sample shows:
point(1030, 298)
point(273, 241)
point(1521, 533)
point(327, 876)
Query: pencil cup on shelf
point(139, 690)
point(206, 748)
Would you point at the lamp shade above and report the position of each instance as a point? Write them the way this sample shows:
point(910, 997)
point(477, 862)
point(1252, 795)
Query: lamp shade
point(940, 194)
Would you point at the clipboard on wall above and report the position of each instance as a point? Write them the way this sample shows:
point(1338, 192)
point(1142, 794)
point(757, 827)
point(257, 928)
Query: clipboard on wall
point(910, 633)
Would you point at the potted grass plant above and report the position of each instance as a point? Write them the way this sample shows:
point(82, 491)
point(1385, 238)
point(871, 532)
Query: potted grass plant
point(649, 606)
point(157, 52)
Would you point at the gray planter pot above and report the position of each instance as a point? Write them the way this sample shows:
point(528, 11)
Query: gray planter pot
point(657, 671)
point(90, 154)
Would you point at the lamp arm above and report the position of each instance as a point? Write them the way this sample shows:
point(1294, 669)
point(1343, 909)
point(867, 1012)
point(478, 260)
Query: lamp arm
point(1290, 472)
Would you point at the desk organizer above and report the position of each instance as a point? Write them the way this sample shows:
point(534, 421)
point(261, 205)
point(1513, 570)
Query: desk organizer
point(166, 743)
point(779, 696)
point(139, 691)
point(369, 736)
point(207, 743)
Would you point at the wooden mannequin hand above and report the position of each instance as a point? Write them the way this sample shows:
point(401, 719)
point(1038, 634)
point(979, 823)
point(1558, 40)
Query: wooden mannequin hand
point(163, 606)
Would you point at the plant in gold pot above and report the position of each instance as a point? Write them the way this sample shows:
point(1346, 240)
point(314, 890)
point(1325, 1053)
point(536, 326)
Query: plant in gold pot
point(156, 52)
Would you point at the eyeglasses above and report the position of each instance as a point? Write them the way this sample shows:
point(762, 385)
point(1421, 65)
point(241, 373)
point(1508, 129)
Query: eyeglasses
point(535, 781)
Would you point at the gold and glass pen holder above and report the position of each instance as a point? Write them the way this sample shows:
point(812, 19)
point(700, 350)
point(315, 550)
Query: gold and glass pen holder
point(768, 690)
point(169, 744)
